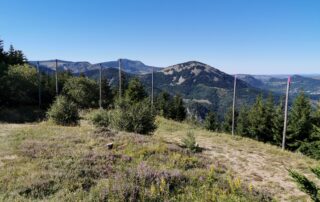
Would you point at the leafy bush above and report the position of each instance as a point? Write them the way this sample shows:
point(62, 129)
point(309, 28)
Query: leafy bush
point(82, 91)
point(190, 142)
point(135, 117)
point(100, 118)
point(64, 112)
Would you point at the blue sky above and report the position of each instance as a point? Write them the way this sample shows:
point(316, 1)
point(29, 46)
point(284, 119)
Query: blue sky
point(236, 36)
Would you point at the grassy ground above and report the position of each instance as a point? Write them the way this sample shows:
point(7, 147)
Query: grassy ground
point(262, 165)
point(44, 162)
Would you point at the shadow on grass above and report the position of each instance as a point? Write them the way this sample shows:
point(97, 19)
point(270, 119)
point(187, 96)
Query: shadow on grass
point(22, 114)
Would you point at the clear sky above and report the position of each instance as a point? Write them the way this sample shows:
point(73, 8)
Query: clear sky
point(236, 36)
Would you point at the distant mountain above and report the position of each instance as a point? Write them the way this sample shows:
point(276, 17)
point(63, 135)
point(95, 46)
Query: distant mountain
point(311, 86)
point(202, 86)
point(129, 66)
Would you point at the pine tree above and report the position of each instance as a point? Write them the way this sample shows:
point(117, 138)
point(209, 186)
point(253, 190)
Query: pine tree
point(299, 127)
point(164, 105)
point(135, 92)
point(257, 120)
point(11, 55)
point(211, 122)
point(15, 56)
point(227, 122)
point(269, 115)
point(107, 94)
point(2, 53)
point(277, 123)
point(315, 135)
point(243, 122)
point(179, 109)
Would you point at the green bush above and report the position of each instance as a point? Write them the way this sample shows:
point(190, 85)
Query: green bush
point(190, 142)
point(100, 118)
point(136, 117)
point(64, 112)
point(82, 91)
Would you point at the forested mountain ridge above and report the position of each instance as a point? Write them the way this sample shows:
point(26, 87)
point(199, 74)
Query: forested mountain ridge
point(129, 66)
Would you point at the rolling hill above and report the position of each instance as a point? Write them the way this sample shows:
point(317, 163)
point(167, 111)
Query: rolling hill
point(129, 66)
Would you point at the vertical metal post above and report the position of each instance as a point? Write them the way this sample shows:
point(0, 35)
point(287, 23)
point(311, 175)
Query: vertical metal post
point(120, 90)
point(57, 90)
point(100, 90)
point(285, 115)
point(152, 87)
point(234, 102)
point(39, 84)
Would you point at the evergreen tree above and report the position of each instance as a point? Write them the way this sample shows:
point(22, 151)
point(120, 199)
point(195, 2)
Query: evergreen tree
point(227, 123)
point(179, 109)
point(15, 57)
point(277, 123)
point(211, 122)
point(243, 122)
point(2, 53)
point(257, 120)
point(164, 105)
point(269, 115)
point(82, 91)
point(135, 92)
point(315, 135)
point(299, 127)
point(107, 94)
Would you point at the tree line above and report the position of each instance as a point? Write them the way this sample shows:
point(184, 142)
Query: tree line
point(264, 121)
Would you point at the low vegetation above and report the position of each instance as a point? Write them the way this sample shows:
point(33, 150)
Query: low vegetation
point(307, 185)
point(53, 163)
point(190, 142)
point(259, 164)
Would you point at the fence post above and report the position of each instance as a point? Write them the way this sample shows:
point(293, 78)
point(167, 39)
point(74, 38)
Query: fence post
point(285, 115)
point(57, 89)
point(234, 103)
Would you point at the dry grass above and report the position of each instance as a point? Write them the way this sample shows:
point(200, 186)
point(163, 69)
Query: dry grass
point(262, 165)
point(44, 162)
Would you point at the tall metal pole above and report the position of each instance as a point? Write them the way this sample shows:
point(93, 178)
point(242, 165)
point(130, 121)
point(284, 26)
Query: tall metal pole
point(39, 84)
point(57, 90)
point(152, 87)
point(234, 102)
point(120, 90)
point(100, 90)
point(285, 115)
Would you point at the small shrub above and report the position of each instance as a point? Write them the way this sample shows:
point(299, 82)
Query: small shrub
point(190, 142)
point(100, 118)
point(136, 117)
point(64, 112)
